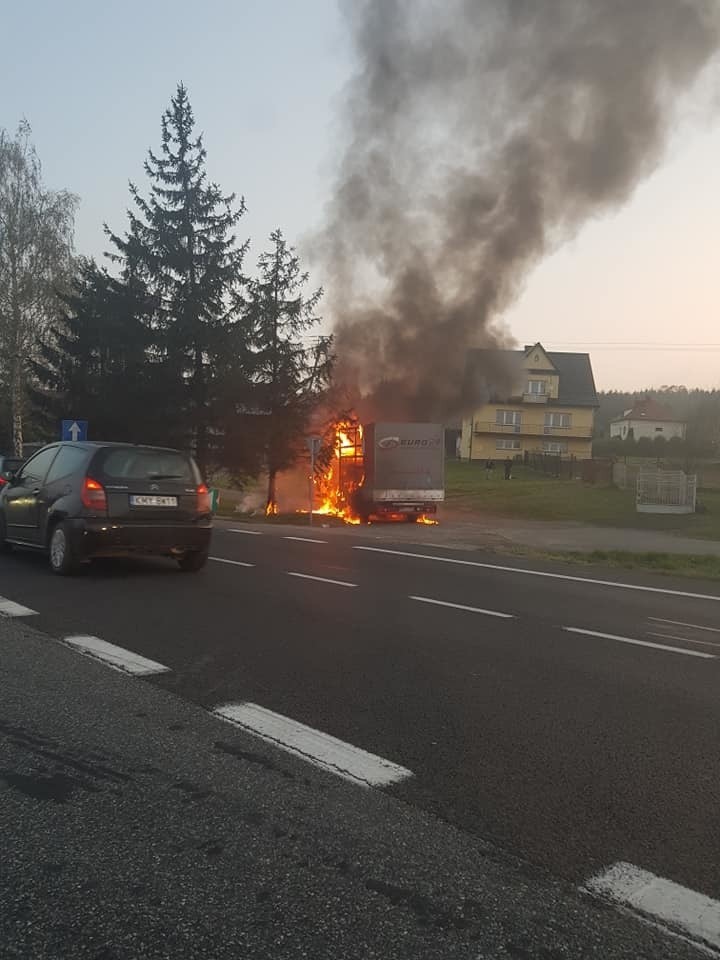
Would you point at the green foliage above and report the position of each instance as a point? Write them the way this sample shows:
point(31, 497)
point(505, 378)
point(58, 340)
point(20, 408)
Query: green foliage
point(289, 377)
point(181, 258)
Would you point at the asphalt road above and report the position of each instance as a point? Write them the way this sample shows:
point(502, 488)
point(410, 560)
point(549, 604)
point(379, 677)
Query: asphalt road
point(567, 716)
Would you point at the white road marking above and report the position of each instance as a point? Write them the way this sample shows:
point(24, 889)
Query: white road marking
point(249, 533)
point(235, 563)
point(688, 912)
point(681, 623)
point(117, 657)
point(305, 539)
point(8, 608)
point(461, 606)
point(317, 747)
point(668, 636)
point(306, 576)
point(641, 643)
point(543, 573)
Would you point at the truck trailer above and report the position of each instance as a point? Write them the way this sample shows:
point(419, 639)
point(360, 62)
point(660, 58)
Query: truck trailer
point(401, 473)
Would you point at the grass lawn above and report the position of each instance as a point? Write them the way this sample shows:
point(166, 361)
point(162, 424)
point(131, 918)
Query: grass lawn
point(534, 496)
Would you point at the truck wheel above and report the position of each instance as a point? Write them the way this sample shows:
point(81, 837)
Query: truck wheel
point(63, 560)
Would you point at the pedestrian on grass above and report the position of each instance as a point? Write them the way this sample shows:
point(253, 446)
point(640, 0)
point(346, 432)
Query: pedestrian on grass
point(489, 467)
point(508, 469)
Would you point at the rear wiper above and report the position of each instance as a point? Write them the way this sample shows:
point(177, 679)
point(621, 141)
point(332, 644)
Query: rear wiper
point(165, 476)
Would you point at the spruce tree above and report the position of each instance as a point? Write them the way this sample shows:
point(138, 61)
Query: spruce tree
point(181, 248)
point(290, 375)
point(95, 363)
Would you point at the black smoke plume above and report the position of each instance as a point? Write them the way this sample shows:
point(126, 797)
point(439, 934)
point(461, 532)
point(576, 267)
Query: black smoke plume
point(481, 134)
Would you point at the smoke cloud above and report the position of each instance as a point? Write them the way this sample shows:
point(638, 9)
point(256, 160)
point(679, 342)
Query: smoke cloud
point(481, 134)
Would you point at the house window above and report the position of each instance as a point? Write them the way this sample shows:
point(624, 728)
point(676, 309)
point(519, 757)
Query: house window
point(554, 446)
point(560, 421)
point(507, 443)
point(508, 418)
point(536, 388)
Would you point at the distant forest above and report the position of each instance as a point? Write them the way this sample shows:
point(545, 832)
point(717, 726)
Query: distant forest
point(700, 408)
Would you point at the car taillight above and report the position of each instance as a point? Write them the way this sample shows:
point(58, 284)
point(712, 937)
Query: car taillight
point(93, 495)
point(203, 499)
point(3, 481)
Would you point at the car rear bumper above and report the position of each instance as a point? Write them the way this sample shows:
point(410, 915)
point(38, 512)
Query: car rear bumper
point(98, 538)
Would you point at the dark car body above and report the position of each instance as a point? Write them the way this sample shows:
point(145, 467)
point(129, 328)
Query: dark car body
point(101, 500)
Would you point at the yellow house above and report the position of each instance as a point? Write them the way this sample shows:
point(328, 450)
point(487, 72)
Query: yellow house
point(537, 402)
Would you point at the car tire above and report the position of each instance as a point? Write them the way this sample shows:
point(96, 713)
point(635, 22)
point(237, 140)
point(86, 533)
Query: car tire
point(63, 560)
point(193, 560)
point(4, 545)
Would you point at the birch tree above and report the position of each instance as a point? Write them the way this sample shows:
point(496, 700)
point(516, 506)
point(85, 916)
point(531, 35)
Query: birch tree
point(36, 232)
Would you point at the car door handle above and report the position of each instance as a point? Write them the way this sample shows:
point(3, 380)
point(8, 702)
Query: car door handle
point(35, 491)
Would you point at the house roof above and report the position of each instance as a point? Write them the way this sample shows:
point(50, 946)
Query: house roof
point(648, 409)
point(576, 383)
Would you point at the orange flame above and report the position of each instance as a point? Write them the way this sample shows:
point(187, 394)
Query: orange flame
point(337, 484)
point(272, 509)
point(427, 520)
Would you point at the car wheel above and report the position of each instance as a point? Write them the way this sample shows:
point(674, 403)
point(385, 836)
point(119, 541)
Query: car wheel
point(4, 545)
point(193, 560)
point(63, 560)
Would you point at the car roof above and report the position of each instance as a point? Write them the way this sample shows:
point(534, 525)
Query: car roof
point(113, 444)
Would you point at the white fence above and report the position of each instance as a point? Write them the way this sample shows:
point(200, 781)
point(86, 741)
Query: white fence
point(665, 491)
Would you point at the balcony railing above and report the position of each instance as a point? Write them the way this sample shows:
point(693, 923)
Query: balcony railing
point(535, 397)
point(530, 429)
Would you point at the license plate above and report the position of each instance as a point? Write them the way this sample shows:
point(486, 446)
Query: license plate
point(151, 501)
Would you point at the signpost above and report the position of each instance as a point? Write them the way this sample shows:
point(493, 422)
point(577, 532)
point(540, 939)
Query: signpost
point(74, 430)
point(314, 448)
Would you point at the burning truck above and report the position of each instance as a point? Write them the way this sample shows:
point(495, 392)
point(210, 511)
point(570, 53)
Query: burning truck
point(387, 471)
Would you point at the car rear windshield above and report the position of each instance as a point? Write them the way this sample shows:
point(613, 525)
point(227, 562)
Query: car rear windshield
point(145, 464)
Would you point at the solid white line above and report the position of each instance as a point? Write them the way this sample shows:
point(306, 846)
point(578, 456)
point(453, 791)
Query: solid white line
point(249, 533)
point(460, 606)
point(667, 636)
point(235, 563)
point(306, 576)
point(641, 643)
point(117, 657)
point(543, 573)
point(692, 913)
point(305, 539)
point(681, 623)
point(8, 608)
point(317, 747)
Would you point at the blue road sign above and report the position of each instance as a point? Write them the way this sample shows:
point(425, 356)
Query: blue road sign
point(74, 430)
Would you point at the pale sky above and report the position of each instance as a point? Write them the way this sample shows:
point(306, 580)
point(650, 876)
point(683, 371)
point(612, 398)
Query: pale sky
point(265, 79)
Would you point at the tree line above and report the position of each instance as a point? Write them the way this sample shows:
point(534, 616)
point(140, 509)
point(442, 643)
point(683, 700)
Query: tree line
point(171, 340)
point(700, 409)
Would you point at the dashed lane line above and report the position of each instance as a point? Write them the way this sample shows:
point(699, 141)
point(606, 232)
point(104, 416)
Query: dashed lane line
point(542, 573)
point(248, 533)
point(117, 657)
point(461, 606)
point(305, 539)
point(8, 608)
point(684, 911)
point(668, 636)
point(681, 623)
point(307, 576)
point(318, 748)
point(233, 563)
point(640, 643)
